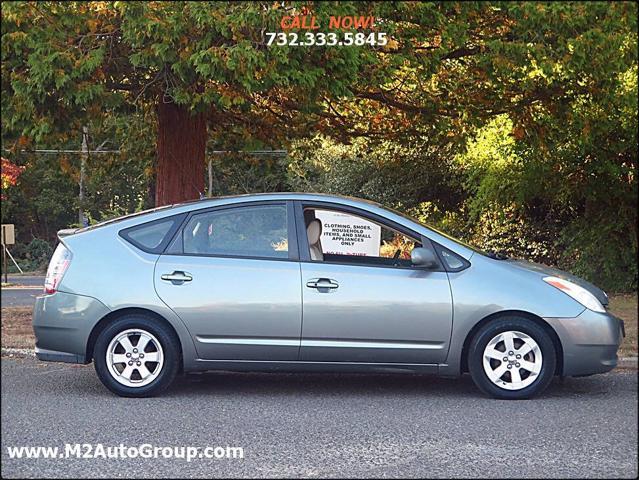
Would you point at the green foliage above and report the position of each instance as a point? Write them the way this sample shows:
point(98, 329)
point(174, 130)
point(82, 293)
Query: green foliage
point(38, 254)
point(570, 196)
point(398, 175)
point(241, 173)
point(505, 229)
point(452, 222)
point(43, 199)
point(448, 66)
point(491, 166)
point(121, 183)
point(604, 252)
point(32, 256)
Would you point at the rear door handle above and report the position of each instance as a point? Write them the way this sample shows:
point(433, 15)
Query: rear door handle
point(177, 277)
point(322, 283)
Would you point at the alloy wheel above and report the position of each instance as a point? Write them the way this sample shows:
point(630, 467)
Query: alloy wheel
point(134, 357)
point(512, 360)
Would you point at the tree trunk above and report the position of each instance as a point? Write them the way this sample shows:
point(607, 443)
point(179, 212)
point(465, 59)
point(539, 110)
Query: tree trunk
point(181, 149)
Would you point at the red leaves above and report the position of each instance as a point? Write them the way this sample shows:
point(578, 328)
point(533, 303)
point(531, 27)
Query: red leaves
point(10, 174)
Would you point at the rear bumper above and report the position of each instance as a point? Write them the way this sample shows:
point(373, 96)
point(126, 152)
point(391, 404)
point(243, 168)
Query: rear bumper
point(589, 341)
point(53, 356)
point(62, 323)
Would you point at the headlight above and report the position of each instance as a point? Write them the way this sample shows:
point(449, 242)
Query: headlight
point(578, 293)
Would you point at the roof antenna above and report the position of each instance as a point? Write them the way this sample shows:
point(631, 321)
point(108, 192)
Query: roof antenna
point(202, 196)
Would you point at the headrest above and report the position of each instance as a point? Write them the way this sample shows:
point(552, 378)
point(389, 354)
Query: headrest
point(314, 231)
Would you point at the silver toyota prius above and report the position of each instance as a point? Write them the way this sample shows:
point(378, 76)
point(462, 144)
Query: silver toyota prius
point(308, 282)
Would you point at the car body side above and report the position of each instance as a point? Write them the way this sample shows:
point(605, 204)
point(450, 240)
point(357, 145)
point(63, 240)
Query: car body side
point(108, 276)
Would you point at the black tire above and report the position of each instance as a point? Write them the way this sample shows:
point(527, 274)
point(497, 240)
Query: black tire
point(170, 348)
point(505, 324)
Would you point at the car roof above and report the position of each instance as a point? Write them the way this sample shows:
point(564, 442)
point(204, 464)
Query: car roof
point(280, 196)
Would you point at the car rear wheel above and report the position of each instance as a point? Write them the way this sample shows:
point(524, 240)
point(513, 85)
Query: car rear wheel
point(512, 358)
point(136, 356)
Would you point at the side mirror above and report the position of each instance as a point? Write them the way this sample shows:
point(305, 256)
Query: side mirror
point(423, 257)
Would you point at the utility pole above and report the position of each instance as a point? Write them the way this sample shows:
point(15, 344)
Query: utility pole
point(5, 266)
point(210, 192)
point(83, 162)
point(84, 153)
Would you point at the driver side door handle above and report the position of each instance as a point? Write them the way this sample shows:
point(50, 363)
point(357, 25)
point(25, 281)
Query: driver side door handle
point(177, 277)
point(321, 283)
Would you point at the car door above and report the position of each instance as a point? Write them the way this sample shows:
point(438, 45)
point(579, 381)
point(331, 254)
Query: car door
point(362, 309)
point(232, 275)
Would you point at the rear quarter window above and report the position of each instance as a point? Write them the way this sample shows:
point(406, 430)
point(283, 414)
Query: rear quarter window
point(152, 237)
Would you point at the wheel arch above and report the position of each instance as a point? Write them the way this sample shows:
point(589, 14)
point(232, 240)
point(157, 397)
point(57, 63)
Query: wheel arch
point(114, 315)
point(559, 352)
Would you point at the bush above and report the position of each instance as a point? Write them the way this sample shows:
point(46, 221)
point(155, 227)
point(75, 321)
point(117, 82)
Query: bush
point(398, 175)
point(39, 251)
point(507, 230)
point(32, 256)
point(592, 251)
point(453, 223)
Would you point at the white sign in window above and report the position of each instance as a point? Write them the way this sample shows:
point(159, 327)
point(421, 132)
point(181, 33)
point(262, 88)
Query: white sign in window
point(344, 234)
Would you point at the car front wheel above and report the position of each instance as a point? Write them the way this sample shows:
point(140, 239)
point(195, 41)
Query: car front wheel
point(512, 358)
point(136, 356)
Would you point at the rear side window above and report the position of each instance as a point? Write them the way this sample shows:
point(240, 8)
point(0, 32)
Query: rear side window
point(255, 231)
point(153, 236)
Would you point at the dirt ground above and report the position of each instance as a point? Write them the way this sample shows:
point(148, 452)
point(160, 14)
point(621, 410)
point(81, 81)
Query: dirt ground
point(17, 331)
point(16, 327)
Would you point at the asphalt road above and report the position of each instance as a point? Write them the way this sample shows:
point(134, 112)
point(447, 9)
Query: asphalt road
point(20, 297)
point(31, 280)
point(26, 289)
point(314, 425)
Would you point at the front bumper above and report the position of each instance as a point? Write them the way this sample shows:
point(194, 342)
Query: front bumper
point(62, 323)
point(589, 341)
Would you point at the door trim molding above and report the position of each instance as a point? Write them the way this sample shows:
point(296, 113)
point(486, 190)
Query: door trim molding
point(270, 342)
point(367, 344)
point(282, 342)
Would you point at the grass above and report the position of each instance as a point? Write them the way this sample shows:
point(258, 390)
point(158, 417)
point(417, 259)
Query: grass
point(17, 331)
point(625, 307)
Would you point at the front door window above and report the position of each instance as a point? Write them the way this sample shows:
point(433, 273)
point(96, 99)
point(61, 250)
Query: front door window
point(342, 237)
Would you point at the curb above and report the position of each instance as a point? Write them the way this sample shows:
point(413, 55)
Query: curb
point(18, 352)
point(627, 362)
point(22, 287)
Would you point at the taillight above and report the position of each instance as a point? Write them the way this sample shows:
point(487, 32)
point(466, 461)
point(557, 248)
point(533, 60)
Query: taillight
point(57, 266)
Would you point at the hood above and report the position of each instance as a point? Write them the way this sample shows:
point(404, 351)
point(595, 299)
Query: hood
point(544, 271)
